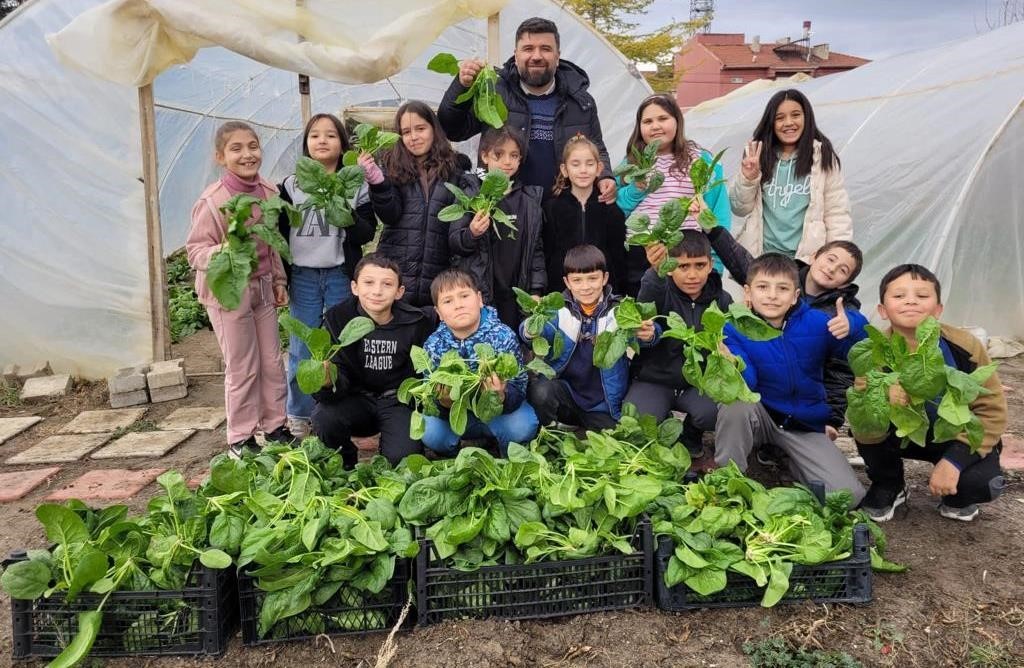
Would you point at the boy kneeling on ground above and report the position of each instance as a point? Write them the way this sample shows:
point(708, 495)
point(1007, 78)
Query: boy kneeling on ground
point(909, 294)
point(787, 372)
point(465, 322)
point(582, 394)
point(363, 401)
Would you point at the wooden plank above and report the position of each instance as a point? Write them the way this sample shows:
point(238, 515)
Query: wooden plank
point(305, 103)
point(494, 39)
point(159, 321)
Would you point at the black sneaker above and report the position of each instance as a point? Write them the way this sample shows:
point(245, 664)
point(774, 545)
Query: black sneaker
point(880, 503)
point(235, 449)
point(281, 436)
point(965, 514)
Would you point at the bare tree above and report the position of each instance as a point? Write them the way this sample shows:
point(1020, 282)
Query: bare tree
point(1000, 13)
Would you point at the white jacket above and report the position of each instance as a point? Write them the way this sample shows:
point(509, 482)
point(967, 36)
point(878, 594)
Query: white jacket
point(827, 218)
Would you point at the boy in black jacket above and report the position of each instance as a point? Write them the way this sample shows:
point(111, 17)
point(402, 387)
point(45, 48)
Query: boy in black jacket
point(658, 384)
point(364, 401)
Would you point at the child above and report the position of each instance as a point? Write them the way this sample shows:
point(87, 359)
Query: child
point(787, 372)
point(502, 264)
point(803, 204)
point(827, 285)
point(363, 401)
point(908, 294)
point(411, 194)
point(323, 256)
point(658, 385)
point(465, 321)
point(254, 383)
point(659, 118)
point(583, 394)
point(574, 215)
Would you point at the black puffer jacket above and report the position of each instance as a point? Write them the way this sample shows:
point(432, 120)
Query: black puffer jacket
point(577, 112)
point(663, 363)
point(837, 374)
point(475, 255)
point(413, 236)
point(567, 223)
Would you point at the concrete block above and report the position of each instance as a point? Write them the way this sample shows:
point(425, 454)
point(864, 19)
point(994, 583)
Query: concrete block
point(168, 393)
point(160, 379)
point(92, 422)
point(35, 370)
point(128, 379)
point(44, 388)
point(17, 484)
point(129, 398)
point(60, 448)
point(11, 427)
point(167, 365)
point(11, 372)
point(194, 417)
point(107, 484)
point(150, 444)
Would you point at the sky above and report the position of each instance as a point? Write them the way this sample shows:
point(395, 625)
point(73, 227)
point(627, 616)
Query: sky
point(867, 28)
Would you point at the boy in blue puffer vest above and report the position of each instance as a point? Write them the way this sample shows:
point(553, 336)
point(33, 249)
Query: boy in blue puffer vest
point(582, 394)
point(787, 372)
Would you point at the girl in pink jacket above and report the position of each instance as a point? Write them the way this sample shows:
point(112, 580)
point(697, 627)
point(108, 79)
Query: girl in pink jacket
point(254, 381)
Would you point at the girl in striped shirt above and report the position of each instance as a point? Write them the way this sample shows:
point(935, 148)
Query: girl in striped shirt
point(659, 118)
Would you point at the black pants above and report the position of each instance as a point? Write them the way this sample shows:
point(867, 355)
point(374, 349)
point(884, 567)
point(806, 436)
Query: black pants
point(552, 401)
point(659, 400)
point(365, 415)
point(979, 483)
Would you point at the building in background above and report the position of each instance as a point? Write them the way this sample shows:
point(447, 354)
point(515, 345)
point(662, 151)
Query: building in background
point(714, 64)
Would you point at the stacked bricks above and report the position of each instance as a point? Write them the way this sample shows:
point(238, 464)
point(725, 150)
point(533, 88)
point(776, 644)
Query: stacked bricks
point(39, 383)
point(128, 387)
point(166, 380)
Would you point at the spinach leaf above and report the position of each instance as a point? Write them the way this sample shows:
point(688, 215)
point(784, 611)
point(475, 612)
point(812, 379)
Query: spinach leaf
point(488, 106)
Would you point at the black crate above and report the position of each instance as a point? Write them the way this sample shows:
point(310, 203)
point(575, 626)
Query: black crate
point(846, 581)
point(535, 591)
point(199, 619)
point(345, 613)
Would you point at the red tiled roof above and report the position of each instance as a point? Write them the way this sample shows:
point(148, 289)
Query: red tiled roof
point(740, 56)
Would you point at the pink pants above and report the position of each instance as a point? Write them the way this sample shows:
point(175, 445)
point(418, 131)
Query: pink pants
point(254, 382)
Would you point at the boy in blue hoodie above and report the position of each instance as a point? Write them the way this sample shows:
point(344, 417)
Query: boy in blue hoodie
point(787, 372)
point(582, 394)
point(465, 321)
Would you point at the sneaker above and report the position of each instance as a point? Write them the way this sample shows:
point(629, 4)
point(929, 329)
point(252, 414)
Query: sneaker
point(281, 435)
point(880, 503)
point(235, 449)
point(299, 427)
point(965, 514)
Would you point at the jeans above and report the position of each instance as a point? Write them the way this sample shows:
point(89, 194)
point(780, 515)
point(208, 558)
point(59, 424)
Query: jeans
point(310, 293)
point(519, 426)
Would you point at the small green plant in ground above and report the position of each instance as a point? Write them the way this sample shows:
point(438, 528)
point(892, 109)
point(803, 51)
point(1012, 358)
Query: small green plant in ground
point(186, 314)
point(776, 653)
point(138, 425)
point(991, 655)
point(9, 395)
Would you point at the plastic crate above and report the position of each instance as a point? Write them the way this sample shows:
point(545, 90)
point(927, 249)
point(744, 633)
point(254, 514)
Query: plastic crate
point(199, 619)
point(846, 581)
point(535, 591)
point(345, 613)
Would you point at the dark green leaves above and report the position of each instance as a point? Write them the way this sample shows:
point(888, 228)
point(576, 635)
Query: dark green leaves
point(492, 190)
point(611, 345)
point(330, 192)
point(488, 106)
point(539, 313)
point(640, 168)
point(314, 373)
point(26, 579)
point(368, 139)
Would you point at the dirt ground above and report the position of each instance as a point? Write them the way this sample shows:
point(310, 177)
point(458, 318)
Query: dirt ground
point(960, 604)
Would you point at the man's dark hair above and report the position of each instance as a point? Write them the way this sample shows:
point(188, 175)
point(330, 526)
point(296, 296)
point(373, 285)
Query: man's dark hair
point(449, 279)
point(377, 260)
point(916, 272)
point(852, 249)
point(693, 244)
point(583, 260)
point(537, 25)
point(774, 264)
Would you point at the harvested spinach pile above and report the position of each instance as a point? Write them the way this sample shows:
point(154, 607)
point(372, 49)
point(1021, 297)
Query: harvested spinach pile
point(331, 192)
point(230, 267)
point(492, 190)
point(313, 373)
point(488, 106)
point(641, 168)
point(923, 374)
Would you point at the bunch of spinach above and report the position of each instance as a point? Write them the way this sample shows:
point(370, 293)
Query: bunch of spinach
point(331, 192)
point(641, 168)
point(99, 552)
point(706, 364)
point(539, 313)
point(923, 374)
point(669, 228)
point(488, 106)
point(368, 139)
point(492, 190)
point(612, 344)
point(313, 373)
point(463, 380)
point(232, 264)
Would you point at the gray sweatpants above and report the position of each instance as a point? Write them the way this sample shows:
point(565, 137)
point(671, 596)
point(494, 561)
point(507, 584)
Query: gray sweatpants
point(812, 456)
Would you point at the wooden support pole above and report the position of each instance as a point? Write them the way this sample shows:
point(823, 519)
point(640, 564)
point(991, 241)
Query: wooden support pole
point(305, 103)
point(494, 40)
point(160, 330)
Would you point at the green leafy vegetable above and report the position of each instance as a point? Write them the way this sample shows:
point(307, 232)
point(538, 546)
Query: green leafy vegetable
point(612, 344)
point(368, 139)
point(330, 192)
point(540, 312)
point(488, 106)
point(313, 373)
point(641, 168)
point(492, 190)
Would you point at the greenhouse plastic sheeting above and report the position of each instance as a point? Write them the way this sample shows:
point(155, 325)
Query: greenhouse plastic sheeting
point(932, 149)
point(73, 261)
